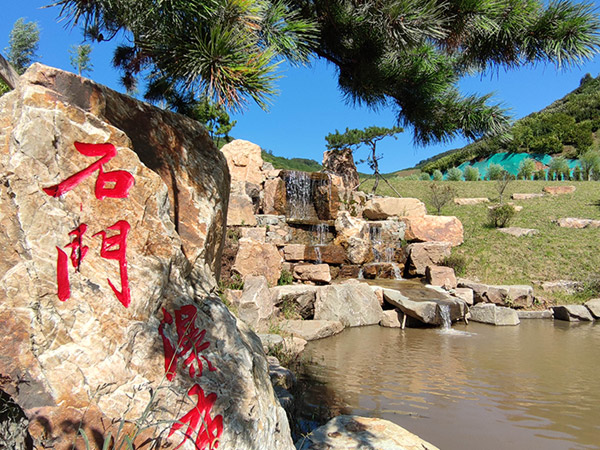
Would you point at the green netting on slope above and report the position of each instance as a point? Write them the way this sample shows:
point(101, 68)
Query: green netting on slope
point(511, 161)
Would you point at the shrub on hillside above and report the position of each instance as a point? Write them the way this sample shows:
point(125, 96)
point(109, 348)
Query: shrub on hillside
point(458, 262)
point(471, 173)
point(440, 195)
point(424, 177)
point(494, 171)
point(437, 175)
point(526, 169)
point(500, 215)
point(454, 174)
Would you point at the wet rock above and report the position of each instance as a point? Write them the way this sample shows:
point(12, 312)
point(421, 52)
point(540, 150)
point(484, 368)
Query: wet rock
point(427, 311)
point(329, 254)
point(594, 306)
point(358, 433)
point(301, 297)
point(349, 271)
point(352, 303)
point(572, 313)
point(317, 273)
point(384, 207)
point(519, 232)
point(311, 330)
point(573, 222)
point(441, 276)
point(559, 190)
point(434, 228)
point(392, 318)
point(257, 258)
point(494, 315)
point(471, 201)
point(423, 254)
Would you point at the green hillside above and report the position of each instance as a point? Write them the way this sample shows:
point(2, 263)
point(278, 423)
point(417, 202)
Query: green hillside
point(280, 162)
point(568, 126)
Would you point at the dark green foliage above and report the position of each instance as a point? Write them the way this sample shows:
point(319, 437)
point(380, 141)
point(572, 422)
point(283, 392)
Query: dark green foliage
point(471, 173)
point(23, 44)
point(499, 216)
point(285, 278)
point(3, 87)
point(454, 174)
point(302, 164)
point(405, 54)
point(494, 172)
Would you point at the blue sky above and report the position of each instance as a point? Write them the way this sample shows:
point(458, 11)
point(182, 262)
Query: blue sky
point(309, 105)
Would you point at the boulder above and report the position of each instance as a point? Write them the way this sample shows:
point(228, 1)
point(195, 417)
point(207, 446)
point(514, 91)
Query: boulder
point(427, 311)
point(441, 276)
point(519, 232)
point(274, 196)
point(352, 303)
point(280, 376)
point(291, 344)
point(503, 295)
point(471, 201)
point(465, 294)
point(112, 215)
point(312, 330)
point(434, 228)
point(423, 254)
point(359, 251)
point(494, 315)
point(559, 190)
point(317, 273)
point(392, 318)
point(257, 258)
point(546, 314)
point(330, 254)
point(517, 196)
point(341, 163)
point(240, 210)
point(594, 306)
point(244, 161)
point(379, 208)
point(294, 252)
point(255, 305)
point(573, 222)
point(358, 433)
point(302, 297)
point(258, 234)
point(572, 313)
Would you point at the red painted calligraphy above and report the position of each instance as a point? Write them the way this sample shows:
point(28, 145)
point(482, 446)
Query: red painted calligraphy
point(107, 250)
point(199, 422)
point(189, 343)
point(120, 180)
point(78, 252)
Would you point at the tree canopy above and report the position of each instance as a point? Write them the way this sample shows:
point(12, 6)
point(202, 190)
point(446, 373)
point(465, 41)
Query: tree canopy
point(79, 55)
point(23, 44)
point(405, 54)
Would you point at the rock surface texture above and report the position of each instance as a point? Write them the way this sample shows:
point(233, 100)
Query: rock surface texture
point(112, 214)
point(434, 228)
point(494, 315)
point(352, 303)
point(362, 433)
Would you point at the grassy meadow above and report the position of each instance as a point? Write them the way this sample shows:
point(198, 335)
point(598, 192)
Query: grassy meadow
point(497, 258)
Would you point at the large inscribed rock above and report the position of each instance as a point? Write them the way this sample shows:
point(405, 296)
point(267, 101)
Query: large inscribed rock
point(111, 215)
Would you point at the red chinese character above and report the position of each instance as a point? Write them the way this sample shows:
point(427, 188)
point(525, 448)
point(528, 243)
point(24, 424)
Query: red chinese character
point(78, 252)
point(108, 251)
point(189, 343)
point(210, 429)
point(121, 180)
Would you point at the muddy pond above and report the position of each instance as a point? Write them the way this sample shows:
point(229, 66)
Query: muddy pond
point(474, 387)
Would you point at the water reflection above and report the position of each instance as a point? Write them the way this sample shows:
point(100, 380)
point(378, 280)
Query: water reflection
point(473, 387)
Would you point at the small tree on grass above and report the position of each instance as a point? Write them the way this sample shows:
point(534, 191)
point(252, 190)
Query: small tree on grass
point(502, 183)
point(590, 163)
point(369, 136)
point(494, 171)
point(500, 215)
point(559, 168)
point(440, 195)
point(437, 175)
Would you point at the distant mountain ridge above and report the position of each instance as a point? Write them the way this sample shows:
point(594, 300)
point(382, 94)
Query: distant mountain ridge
point(281, 162)
point(569, 126)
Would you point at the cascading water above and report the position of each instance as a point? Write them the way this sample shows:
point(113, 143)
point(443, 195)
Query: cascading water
point(445, 315)
point(298, 189)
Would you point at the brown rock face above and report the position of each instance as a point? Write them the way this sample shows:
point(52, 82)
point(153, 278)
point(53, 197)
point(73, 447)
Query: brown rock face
point(274, 197)
point(434, 228)
point(341, 163)
point(112, 214)
point(245, 162)
point(257, 258)
point(423, 254)
point(441, 276)
point(384, 207)
point(318, 273)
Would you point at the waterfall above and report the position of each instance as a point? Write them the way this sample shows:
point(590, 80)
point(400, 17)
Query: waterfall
point(319, 233)
point(376, 242)
point(298, 189)
point(318, 254)
point(397, 273)
point(445, 314)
